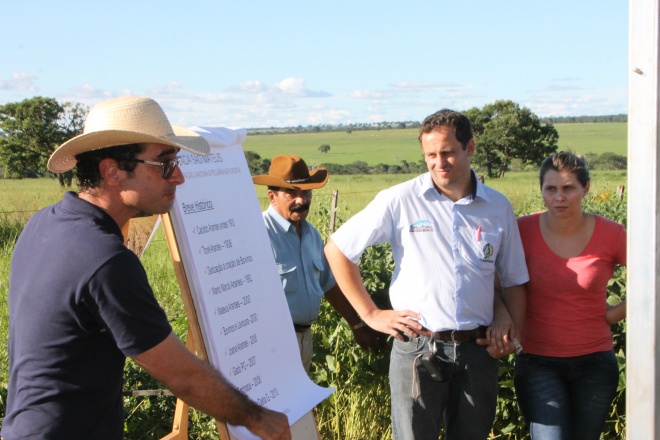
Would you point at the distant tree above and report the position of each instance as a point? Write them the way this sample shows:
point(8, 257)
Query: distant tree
point(334, 168)
point(35, 127)
point(381, 168)
point(504, 131)
point(417, 167)
point(395, 169)
point(265, 165)
point(606, 161)
point(256, 164)
point(324, 148)
point(357, 167)
point(584, 119)
point(316, 129)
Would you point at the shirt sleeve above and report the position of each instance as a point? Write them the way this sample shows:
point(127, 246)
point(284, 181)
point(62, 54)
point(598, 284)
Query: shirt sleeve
point(327, 279)
point(121, 299)
point(372, 225)
point(511, 266)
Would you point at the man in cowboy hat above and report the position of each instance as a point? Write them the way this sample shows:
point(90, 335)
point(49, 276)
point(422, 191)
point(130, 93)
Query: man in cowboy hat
point(298, 250)
point(80, 301)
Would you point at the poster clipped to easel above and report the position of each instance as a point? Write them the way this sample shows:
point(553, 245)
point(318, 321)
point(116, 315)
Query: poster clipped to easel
point(238, 296)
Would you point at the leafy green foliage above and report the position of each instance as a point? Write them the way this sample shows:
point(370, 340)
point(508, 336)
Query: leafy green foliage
point(606, 161)
point(35, 127)
point(324, 148)
point(256, 164)
point(504, 131)
point(359, 409)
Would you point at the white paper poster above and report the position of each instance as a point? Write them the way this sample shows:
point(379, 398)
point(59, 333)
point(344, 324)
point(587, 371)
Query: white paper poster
point(232, 274)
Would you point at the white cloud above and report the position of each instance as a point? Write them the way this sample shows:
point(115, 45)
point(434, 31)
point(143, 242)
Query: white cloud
point(413, 86)
point(566, 79)
point(253, 86)
point(370, 94)
point(19, 81)
point(595, 102)
point(88, 92)
point(561, 88)
point(295, 87)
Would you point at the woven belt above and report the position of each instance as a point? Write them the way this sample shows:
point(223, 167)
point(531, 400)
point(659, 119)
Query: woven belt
point(458, 336)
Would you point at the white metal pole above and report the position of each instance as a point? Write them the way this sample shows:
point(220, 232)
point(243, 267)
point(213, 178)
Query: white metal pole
point(643, 224)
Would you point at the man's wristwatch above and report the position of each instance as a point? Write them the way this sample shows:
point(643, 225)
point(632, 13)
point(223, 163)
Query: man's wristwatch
point(518, 345)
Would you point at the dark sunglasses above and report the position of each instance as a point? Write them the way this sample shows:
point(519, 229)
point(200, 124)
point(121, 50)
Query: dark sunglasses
point(168, 166)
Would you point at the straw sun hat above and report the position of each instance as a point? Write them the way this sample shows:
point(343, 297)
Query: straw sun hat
point(122, 121)
point(289, 171)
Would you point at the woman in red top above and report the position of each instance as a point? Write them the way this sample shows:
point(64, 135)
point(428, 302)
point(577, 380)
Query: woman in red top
point(567, 375)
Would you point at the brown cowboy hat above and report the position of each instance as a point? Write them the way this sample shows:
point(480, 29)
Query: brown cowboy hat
point(122, 121)
point(289, 171)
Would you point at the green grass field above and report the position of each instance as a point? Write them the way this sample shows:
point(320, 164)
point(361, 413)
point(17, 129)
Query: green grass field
point(372, 147)
point(594, 138)
point(392, 146)
point(19, 199)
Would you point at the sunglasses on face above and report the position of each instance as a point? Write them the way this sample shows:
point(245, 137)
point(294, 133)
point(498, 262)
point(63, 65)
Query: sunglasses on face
point(168, 166)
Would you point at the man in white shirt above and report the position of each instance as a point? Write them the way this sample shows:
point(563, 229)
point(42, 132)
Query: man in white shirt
point(450, 236)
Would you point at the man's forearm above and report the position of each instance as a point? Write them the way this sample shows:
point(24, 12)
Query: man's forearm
point(338, 301)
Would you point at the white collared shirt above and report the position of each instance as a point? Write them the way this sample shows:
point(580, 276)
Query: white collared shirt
point(446, 253)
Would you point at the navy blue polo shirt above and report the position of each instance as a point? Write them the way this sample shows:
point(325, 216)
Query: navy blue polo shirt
point(79, 304)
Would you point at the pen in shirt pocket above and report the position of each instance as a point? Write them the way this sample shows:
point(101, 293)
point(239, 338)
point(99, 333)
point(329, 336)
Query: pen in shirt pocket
point(479, 234)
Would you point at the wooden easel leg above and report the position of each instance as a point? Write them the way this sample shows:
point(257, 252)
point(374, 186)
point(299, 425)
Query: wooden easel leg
point(180, 425)
point(223, 431)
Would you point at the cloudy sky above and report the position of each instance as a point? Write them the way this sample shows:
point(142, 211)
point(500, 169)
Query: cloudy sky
point(267, 63)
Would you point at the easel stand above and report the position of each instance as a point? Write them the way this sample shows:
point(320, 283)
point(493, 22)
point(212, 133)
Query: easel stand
point(303, 429)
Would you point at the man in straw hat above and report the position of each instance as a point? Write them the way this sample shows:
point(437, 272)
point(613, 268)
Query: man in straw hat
point(450, 236)
point(298, 250)
point(80, 301)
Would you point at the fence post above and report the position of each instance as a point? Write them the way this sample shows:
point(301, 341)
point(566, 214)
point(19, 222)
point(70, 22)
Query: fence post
point(620, 190)
point(333, 209)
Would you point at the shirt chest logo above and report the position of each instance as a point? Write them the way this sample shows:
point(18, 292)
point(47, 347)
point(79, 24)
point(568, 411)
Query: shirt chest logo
point(422, 226)
point(487, 252)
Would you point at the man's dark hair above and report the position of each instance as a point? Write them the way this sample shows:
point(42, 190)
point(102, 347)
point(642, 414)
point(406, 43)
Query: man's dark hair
point(565, 161)
point(87, 166)
point(448, 118)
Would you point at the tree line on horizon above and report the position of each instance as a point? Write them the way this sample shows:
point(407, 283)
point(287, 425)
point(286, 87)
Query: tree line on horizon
point(398, 125)
point(507, 137)
point(620, 118)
